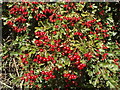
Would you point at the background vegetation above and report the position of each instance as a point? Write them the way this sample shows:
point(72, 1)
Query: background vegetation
point(60, 45)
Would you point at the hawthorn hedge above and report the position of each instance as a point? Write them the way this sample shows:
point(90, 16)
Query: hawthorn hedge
point(60, 45)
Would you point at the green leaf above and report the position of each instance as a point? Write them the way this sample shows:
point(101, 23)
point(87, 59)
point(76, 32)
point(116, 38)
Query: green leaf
point(110, 84)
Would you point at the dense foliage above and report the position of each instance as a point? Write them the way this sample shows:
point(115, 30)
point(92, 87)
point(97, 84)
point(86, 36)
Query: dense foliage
point(60, 45)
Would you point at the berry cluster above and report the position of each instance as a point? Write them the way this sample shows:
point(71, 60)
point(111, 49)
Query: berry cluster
point(69, 6)
point(81, 66)
point(20, 19)
point(65, 39)
point(10, 23)
point(24, 58)
point(39, 16)
point(70, 76)
point(38, 42)
point(72, 19)
point(54, 17)
point(88, 55)
point(74, 57)
point(31, 77)
point(42, 36)
point(78, 33)
point(66, 50)
point(18, 11)
point(48, 11)
point(104, 56)
point(48, 75)
point(116, 61)
point(89, 23)
point(17, 24)
point(39, 59)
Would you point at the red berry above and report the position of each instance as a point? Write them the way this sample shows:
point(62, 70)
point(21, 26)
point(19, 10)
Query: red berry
point(78, 58)
point(26, 80)
point(72, 59)
point(26, 55)
point(22, 78)
point(39, 62)
point(53, 76)
point(75, 56)
point(26, 62)
point(21, 56)
point(35, 60)
point(41, 50)
point(66, 51)
point(43, 72)
point(63, 53)
point(28, 74)
point(44, 59)
point(56, 26)
point(58, 49)
point(77, 62)
point(69, 56)
point(31, 71)
point(115, 60)
point(54, 61)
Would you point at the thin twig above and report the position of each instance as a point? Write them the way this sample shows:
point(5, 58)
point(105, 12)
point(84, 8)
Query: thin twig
point(21, 84)
point(16, 67)
point(6, 85)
